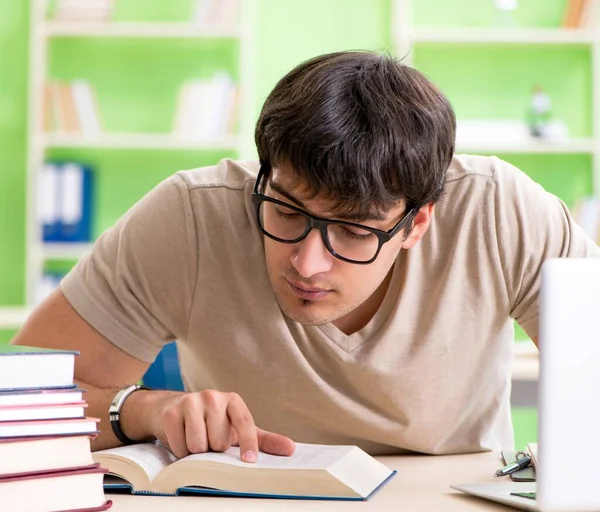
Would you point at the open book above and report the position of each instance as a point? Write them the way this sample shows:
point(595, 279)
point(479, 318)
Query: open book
point(313, 472)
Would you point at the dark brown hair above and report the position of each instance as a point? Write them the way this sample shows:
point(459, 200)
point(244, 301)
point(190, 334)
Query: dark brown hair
point(360, 127)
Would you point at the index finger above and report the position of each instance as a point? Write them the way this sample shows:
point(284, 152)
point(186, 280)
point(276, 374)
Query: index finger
point(243, 423)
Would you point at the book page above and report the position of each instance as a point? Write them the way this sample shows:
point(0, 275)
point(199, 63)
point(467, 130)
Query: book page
point(151, 457)
point(306, 456)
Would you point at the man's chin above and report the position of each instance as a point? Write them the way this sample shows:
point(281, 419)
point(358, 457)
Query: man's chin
point(309, 314)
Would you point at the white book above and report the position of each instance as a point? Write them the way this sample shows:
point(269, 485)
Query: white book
point(220, 105)
point(71, 182)
point(197, 109)
point(32, 367)
point(48, 207)
point(87, 111)
point(319, 471)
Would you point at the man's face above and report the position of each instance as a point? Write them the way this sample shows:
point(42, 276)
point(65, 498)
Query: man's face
point(312, 286)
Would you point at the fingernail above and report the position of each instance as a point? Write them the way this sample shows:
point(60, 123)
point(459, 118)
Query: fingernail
point(249, 456)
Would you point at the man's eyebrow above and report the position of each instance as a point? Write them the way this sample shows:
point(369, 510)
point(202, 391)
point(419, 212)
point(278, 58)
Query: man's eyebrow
point(350, 216)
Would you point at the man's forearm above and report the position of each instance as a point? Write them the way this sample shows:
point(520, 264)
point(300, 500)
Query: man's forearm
point(135, 413)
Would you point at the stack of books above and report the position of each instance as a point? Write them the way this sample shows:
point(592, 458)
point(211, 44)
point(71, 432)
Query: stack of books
point(45, 455)
point(71, 107)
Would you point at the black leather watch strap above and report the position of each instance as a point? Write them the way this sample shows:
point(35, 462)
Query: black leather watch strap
point(114, 412)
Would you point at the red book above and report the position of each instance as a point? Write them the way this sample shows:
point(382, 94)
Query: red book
point(73, 490)
point(43, 454)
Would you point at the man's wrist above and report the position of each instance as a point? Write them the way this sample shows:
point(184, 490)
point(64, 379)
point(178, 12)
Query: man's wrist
point(131, 418)
point(139, 412)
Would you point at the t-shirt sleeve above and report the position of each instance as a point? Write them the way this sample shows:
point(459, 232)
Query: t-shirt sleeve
point(136, 286)
point(532, 226)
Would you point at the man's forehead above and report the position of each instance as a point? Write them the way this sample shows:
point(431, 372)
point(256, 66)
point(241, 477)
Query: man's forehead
point(290, 185)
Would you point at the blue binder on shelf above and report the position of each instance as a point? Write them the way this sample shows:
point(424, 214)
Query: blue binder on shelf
point(66, 202)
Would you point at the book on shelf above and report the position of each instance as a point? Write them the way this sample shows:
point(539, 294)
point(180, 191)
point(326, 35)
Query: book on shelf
point(71, 107)
point(44, 454)
point(65, 202)
point(581, 14)
point(206, 108)
point(32, 367)
point(586, 213)
point(215, 12)
point(69, 490)
point(313, 472)
point(81, 10)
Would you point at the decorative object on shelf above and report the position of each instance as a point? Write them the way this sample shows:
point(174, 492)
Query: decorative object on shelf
point(65, 202)
point(506, 8)
point(539, 112)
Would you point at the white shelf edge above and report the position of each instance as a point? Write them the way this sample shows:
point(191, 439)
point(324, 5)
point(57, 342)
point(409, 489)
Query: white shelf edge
point(136, 141)
point(64, 250)
point(13, 317)
point(583, 145)
point(137, 29)
point(504, 35)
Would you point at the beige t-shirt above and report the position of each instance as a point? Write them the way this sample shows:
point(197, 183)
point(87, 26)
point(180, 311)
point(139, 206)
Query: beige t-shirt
point(429, 373)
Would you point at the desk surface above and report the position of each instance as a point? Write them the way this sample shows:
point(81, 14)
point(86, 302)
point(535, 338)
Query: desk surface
point(422, 484)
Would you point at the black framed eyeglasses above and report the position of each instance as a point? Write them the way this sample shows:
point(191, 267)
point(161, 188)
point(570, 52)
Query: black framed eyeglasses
point(347, 241)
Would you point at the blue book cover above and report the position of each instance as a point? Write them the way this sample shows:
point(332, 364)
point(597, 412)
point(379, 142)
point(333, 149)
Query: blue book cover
point(67, 202)
point(119, 488)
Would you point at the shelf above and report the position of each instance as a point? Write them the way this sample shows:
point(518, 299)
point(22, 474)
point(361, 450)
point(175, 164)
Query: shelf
point(504, 36)
point(136, 141)
point(583, 145)
point(137, 29)
point(13, 318)
point(64, 251)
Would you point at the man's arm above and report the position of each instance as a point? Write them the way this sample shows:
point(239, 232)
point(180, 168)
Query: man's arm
point(186, 422)
point(535, 340)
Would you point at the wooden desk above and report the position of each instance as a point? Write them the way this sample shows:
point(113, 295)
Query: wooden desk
point(422, 484)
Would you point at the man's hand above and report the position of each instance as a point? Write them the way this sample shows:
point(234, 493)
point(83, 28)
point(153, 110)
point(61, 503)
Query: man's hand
point(208, 421)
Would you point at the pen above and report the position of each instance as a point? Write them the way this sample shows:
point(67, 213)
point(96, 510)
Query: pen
point(521, 463)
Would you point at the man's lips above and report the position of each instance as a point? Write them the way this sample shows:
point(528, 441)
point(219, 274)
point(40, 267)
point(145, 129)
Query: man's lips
point(305, 292)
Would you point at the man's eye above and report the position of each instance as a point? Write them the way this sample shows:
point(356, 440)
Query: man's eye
point(357, 234)
point(286, 213)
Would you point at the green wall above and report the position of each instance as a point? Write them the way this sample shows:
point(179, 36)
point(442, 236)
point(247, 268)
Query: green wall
point(13, 92)
point(137, 80)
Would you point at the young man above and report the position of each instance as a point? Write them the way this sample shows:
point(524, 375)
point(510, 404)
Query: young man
point(322, 301)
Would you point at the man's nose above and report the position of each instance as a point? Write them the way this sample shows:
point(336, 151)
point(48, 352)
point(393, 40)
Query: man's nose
point(311, 256)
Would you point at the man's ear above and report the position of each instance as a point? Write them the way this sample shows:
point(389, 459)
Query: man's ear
point(420, 224)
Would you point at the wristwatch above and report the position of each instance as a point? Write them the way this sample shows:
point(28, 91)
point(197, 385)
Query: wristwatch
point(114, 411)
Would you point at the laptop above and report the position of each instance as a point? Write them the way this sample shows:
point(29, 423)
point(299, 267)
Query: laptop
point(568, 465)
